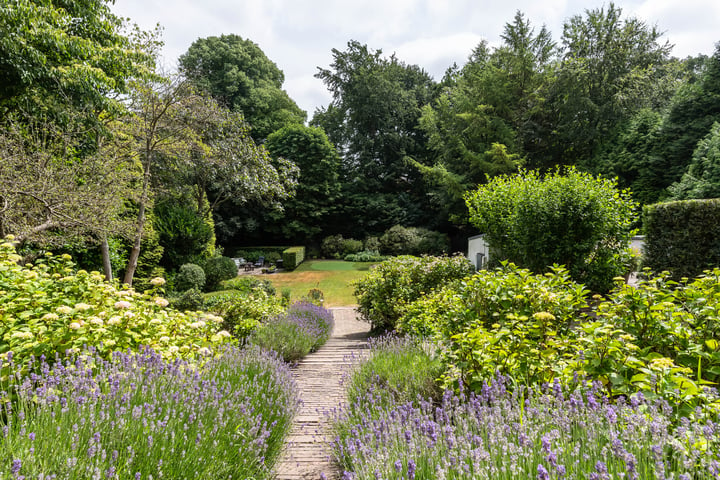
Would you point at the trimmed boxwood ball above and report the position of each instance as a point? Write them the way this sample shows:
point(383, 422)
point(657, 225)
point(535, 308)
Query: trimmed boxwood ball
point(190, 276)
point(218, 269)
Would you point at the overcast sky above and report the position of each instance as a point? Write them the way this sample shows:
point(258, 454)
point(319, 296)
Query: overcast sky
point(298, 35)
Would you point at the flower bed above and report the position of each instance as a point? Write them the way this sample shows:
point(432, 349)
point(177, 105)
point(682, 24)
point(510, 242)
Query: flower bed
point(501, 433)
point(140, 416)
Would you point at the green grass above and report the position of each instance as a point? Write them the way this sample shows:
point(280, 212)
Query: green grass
point(333, 277)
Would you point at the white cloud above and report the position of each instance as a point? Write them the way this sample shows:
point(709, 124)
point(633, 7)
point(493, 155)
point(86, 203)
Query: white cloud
point(298, 35)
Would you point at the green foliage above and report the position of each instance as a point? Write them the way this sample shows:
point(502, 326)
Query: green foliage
point(183, 234)
point(366, 256)
point(302, 330)
point(236, 72)
point(332, 246)
point(390, 286)
point(400, 240)
point(690, 118)
point(611, 68)
point(218, 269)
point(682, 237)
point(702, 178)
point(373, 119)
point(247, 284)
point(292, 257)
point(243, 312)
point(658, 337)
point(252, 254)
point(50, 307)
point(304, 216)
point(190, 276)
point(69, 55)
point(570, 218)
point(397, 370)
point(189, 300)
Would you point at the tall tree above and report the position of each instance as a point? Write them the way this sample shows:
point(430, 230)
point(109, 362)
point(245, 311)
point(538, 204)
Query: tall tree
point(47, 184)
point(693, 111)
point(479, 124)
point(306, 215)
point(611, 68)
point(238, 75)
point(373, 120)
point(204, 146)
point(56, 55)
point(702, 178)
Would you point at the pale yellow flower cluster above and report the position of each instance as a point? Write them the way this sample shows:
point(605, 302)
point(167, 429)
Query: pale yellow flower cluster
point(64, 309)
point(161, 302)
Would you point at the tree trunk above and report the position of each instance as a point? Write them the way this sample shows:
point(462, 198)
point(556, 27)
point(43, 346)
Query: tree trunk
point(135, 252)
point(107, 266)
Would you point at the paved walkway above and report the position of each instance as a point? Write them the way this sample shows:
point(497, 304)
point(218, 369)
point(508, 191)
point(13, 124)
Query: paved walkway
point(306, 453)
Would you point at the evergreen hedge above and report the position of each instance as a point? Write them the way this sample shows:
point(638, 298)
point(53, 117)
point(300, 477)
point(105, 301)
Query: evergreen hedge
point(292, 257)
point(682, 237)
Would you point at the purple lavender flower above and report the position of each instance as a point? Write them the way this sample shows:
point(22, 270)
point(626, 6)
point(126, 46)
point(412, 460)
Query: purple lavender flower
point(411, 469)
point(542, 473)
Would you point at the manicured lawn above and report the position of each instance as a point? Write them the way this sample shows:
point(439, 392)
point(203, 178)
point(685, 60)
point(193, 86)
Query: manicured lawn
point(333, 277)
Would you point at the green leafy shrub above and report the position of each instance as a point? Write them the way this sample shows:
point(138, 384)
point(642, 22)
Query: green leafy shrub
point(351, 246)
point(218, 269)
point(371, 244)
point(335, 246)
point(248, 284)
point(682, 237)
point(190, 276)
point(243, 312)
point(183, 234)
point(292, 257)
point(570, 218)
point(400, 240)
point(659, 337)
point(392, 285)
point(50, 307)
point(189, 300)
point(332, 246)
point(365, 256)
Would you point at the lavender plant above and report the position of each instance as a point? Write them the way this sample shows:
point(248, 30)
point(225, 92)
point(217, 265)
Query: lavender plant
point(303, 329)
point(139, 416)
point(523, 433)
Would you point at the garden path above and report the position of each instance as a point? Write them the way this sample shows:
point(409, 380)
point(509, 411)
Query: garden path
point(318, 375)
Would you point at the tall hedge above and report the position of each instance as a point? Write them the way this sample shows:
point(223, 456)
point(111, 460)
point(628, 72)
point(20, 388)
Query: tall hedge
point(292, 257)
point(682, 237)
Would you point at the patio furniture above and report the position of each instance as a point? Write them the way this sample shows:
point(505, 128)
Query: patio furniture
point(260, 262)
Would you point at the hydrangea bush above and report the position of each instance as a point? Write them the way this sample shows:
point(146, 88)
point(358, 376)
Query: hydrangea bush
point(50, 307)
point(139, 416)
point(658, 337)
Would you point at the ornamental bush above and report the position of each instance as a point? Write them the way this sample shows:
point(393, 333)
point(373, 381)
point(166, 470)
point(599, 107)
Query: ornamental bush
point(565, 218)
point(400, 240)
point(50, 308)
point(218, 269)
point(190, 276)
point(392, 285)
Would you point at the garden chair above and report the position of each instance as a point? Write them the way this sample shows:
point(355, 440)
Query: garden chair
point(260, 262)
